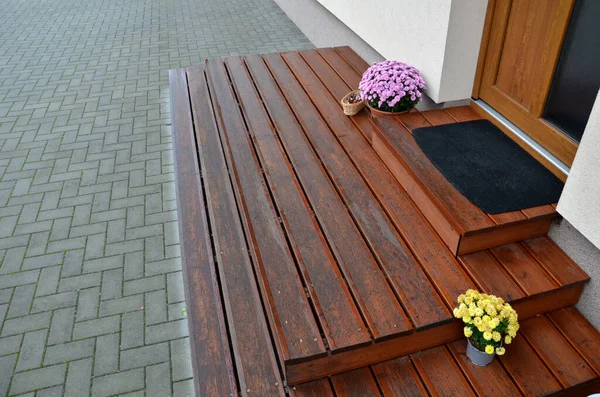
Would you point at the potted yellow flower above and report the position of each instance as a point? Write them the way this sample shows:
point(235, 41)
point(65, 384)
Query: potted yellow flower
point(489, 322)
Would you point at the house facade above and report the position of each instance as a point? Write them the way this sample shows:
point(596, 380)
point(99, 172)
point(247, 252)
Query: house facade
point(530, 67)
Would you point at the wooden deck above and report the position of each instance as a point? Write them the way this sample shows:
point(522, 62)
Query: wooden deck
point(304, 257)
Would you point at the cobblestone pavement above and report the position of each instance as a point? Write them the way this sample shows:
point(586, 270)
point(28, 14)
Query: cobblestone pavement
point(91, 299)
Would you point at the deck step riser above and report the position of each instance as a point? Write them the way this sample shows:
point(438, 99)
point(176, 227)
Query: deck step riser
point(421, 340)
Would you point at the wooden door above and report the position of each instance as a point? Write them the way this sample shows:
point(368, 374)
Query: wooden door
point(525, 42)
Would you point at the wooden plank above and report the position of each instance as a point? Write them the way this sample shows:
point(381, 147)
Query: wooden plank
point(357, 383)
point(530, 276)
point(462, 113)
point(559, 356)
point(490, 381)
point(399, 378)
point(503, 234)
point(380, 308)
point(547, 211)
point(507, 217)
point(555, 261)
point(418, 297)
point(527, 370)
point(353, 59)
point(580, 333)
point(257, 366)
point(553, 300)
point(490, 276)
point(212, 366)
point(440, 373)
point(316, 388)
point(297, 333)
point(438, 117)
point(375, 353)
point(336, 310)
point(440, 265)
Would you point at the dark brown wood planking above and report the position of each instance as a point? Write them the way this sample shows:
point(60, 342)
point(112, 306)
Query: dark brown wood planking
point(381, 310)
point(339, 316)
point(418, 296)
point(291, 316)
point(240, 295)
point(212, 365)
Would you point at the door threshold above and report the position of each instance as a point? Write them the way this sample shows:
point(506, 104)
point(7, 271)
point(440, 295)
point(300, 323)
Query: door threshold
point(517, 134)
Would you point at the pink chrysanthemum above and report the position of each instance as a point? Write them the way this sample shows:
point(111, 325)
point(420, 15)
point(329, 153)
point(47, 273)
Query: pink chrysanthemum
point(392, 86)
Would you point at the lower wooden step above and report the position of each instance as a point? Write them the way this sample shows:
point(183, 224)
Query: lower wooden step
point(554, 354)
point(333, 363)
point(464, 227)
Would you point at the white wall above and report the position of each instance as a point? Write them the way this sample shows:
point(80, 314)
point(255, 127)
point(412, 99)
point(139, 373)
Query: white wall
point(580, 200)
point(439, 37)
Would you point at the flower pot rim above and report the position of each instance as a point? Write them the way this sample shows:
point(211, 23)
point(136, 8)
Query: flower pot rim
point(378, 112)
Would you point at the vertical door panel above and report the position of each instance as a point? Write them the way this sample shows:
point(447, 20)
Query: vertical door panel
point(525, 43)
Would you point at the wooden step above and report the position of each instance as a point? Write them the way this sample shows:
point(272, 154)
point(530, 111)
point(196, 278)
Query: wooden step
point(554, 354)
point(300, 248)
point(462, 225)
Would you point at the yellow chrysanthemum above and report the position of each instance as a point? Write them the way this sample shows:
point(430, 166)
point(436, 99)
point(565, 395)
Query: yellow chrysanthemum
point(507, 339)
point(500, 351)
point(456, 312)
point(486, 319)
point(487, 335)
point(466, 319)
point(489, 349)
point(496, 336)
point(468, 332)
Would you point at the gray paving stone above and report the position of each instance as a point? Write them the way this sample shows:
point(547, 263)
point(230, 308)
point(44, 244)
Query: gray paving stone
point(27, 323)
point(21, 301)
point(69, 351)
point(7, 365)
point(53, 302)
point(156, 307)
point(132, 329)
point(181, 360)
point(106, 359)
point(175, 289)
point(38, 379)
point(50, 277)
point(184, 388)
point(56, 391)
point(61, 326)
point(99, 326)
point(158, 380)
point(144, 356)
point(10, 344)
point(166, 331)
point(87, 306)
point(32, 350)
point(118, 383)
point(79, 378)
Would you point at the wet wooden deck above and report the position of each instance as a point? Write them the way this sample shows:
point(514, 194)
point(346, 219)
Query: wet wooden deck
point(303, 256)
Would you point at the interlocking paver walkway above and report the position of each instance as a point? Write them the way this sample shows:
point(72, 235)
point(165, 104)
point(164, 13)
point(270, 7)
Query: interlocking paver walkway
point(91, 298)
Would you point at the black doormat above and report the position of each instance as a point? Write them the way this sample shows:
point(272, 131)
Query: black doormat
point(487, 167)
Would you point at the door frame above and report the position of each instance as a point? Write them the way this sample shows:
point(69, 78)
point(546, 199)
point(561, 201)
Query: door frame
point(555, 141)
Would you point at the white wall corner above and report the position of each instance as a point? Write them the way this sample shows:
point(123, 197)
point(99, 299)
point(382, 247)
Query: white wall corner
point(465, 30)
point(580, 199)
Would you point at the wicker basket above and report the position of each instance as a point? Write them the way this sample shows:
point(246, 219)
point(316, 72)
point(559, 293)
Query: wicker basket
point(350, 109)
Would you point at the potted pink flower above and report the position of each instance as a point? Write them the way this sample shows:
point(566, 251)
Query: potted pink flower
point(391, 87)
